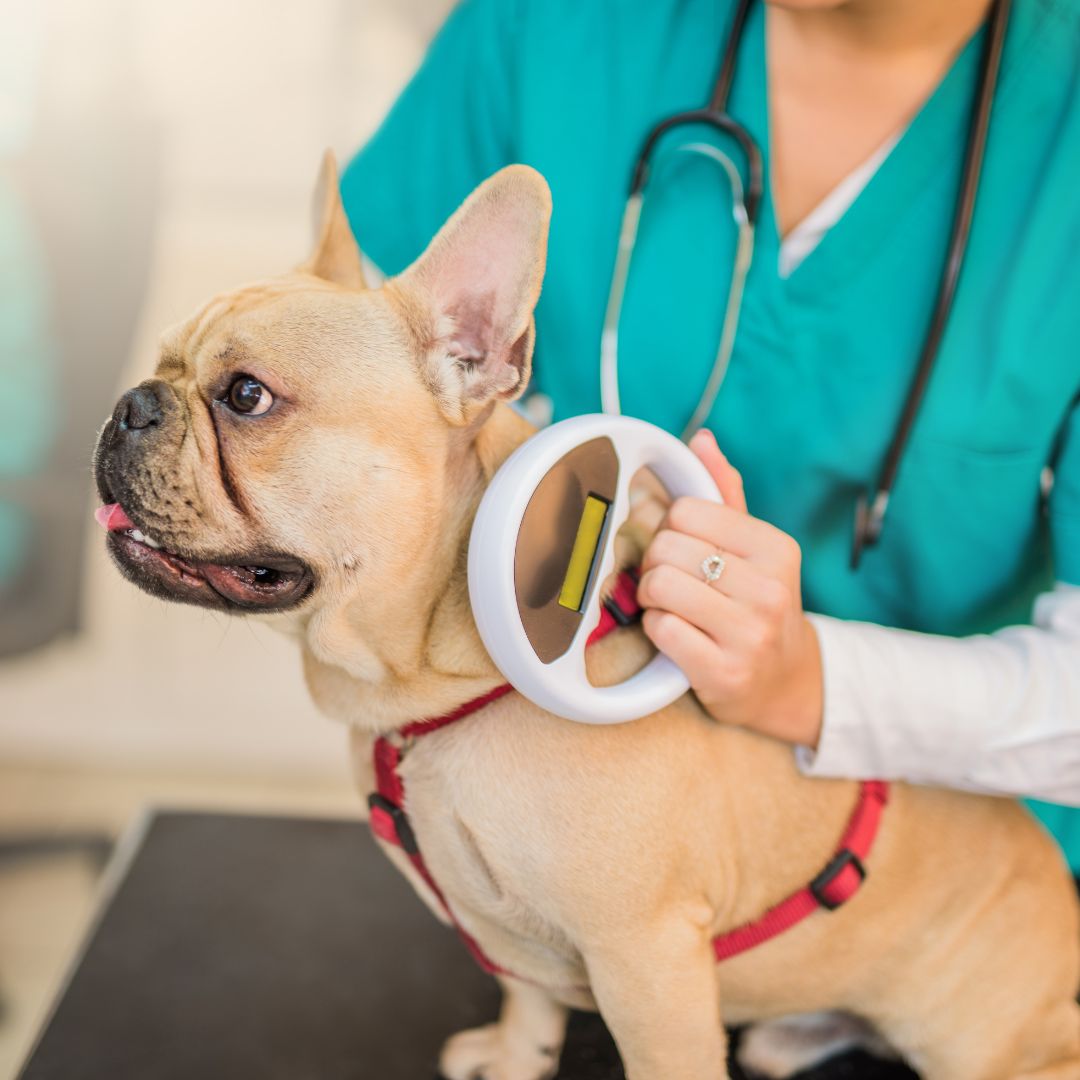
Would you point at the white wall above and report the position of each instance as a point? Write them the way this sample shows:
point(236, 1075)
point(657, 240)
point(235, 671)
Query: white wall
point(243, 95)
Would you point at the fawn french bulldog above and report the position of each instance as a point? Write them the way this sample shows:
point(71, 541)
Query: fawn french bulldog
point(312, 450)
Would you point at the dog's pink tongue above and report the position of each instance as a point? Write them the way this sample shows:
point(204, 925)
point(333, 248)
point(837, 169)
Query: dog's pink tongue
point(112, 518)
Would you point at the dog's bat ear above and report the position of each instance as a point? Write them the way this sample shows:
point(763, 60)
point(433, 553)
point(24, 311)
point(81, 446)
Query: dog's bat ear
point(477, 285)
point(336, 256)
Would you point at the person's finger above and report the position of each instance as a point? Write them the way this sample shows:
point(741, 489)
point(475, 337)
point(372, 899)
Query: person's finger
point(676, 548)
point(687, 646)
point(729, 530)
point(728, 621)
point(728, 478)
point(738, 579)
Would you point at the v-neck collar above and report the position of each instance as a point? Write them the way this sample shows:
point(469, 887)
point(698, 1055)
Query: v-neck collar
point(928, 153)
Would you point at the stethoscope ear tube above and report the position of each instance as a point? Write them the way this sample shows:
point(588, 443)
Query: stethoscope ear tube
point(609, 335)
point(746, 204)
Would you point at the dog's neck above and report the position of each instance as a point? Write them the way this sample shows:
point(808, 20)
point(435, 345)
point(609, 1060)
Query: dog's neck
point(414, 651)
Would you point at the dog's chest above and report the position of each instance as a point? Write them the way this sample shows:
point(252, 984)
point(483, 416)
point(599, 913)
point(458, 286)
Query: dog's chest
point(486, 857)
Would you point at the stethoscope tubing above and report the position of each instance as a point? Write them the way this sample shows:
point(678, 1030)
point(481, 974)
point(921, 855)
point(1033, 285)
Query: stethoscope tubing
point(724, 124)
point(870, 513)
point(871, 504)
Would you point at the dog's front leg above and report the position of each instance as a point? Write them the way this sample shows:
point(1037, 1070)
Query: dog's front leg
point(524, 1045)
point(658, 994)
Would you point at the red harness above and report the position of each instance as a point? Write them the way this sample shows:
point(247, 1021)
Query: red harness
point(837, 883)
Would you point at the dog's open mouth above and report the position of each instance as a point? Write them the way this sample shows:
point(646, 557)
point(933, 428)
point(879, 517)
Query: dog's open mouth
point(263, 583)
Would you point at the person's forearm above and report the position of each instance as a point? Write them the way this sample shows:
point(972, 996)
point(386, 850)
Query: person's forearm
point(997, 713)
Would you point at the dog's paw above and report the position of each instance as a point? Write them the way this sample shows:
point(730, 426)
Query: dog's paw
point(778, 1049)
point(488, 1053)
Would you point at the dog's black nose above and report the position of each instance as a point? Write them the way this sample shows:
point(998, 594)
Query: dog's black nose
point(138, 409)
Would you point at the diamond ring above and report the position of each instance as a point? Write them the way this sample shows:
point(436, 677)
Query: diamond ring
point(713, 567)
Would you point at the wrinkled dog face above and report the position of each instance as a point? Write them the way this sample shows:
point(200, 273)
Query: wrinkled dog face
point(257, 440)
point(291, 427)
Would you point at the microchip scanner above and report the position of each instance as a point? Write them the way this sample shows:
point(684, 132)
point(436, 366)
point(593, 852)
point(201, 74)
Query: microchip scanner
point(541, 545)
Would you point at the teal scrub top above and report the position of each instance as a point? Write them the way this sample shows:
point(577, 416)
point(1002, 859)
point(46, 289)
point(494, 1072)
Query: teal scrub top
point(822, 359)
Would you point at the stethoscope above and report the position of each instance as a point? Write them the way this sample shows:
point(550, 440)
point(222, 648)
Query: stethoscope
point(871, 504)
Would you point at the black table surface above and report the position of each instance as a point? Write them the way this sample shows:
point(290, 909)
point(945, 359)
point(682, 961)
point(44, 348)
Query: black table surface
point(263, 948)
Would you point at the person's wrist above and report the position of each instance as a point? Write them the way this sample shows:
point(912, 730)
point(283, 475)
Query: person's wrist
point(809, 686)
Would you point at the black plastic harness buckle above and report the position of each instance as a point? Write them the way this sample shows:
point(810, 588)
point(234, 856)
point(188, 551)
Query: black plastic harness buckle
point(402, 829)
point(839, 862)
point(617, 613)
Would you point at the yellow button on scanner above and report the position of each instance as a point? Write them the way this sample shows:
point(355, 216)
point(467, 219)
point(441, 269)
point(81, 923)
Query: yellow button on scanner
point(583, 555)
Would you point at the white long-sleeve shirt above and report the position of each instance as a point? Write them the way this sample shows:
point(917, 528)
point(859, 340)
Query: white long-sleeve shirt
point(997, 713)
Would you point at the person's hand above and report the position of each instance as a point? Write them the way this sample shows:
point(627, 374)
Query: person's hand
point(743, 641)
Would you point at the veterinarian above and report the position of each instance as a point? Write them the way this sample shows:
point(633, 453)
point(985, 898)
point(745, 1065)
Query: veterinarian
point(951, 654)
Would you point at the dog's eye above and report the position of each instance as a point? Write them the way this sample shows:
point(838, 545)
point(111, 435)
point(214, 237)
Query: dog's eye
point(248, 395)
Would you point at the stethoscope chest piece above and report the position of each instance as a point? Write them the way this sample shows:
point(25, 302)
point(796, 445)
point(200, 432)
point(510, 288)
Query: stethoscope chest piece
point(541, 545)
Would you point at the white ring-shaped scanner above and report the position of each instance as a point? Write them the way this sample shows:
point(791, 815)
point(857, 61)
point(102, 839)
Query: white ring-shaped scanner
point(562, 686)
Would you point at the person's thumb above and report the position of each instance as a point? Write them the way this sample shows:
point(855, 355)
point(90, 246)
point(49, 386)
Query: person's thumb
point(727, 477)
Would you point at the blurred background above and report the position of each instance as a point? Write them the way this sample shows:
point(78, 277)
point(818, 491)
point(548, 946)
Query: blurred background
point(151, 154)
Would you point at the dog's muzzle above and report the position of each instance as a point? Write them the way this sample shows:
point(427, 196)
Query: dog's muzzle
point(143, 434)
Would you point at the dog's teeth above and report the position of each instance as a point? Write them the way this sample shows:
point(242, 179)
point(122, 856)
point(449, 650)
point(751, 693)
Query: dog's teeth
point(141, 538)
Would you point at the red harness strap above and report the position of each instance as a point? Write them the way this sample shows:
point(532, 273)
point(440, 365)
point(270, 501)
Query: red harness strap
point(835, 885)
point(389, 822)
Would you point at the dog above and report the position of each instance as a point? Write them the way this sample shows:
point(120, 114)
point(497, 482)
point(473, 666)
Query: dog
point(312, 450)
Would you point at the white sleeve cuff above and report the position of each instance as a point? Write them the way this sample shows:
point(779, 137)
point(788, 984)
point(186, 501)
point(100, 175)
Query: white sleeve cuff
point(900, 705)
point(848, 745)
point(996, 713)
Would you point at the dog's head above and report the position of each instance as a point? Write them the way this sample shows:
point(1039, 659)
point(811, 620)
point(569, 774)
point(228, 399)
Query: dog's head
point(292, 441)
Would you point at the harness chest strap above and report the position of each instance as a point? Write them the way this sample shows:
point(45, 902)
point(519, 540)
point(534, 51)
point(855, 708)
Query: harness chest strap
point(837, 883)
